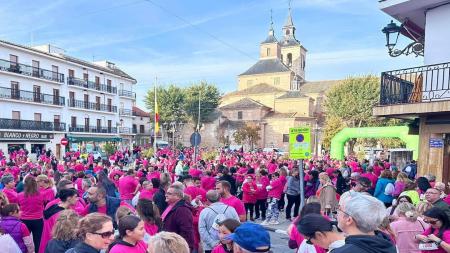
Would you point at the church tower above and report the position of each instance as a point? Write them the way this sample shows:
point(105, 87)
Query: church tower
point(270, 48)
point(293, 54)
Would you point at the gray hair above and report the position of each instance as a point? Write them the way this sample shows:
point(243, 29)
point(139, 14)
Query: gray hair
point(367, 211)
point(178, 189)
point(168, 242)
point(213, 196)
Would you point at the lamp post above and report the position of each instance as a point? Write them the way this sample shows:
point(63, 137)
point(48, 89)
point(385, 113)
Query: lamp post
point(392, 32)
point(172, 127)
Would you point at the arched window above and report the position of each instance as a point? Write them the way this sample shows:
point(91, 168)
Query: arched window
point(288, 32)
point(289, 59)
point(268, 51)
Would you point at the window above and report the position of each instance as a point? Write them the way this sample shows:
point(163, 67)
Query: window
point(86, 124)
point(71, 73)
point(72, 98)
point(97, 83)
point(285, 137)
point(239, 115)
point(35, 65)
point(37, 93)
point(289, 60)
point(55, 72)
point(97, 103)
point(267, 51)
point(99, 124)
point(37, 117)
point(141, 129)
point(109, 105)
point(108, 85)
point(13, 59)
point(73, 121)
point(56, 122)
point(109, 126)
point(16, 115)
point(56, 96)
point(86, 76)
point(134, 128)
point(15, 92)
point(276, 81)
point(86, 101)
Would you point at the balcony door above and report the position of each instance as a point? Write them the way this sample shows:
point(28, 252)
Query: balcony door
point(72, 98)
point(73, 122)
point(97, 83)
point(108, 86)
point(97, 103)
point(86, 124)
point(86, 101)
point(56, 100)
point(15, 92)
point(36, 71)
point(13, 63)
point(57, 122)
point(99, 125)
point(16, 119)
point(109, 105)
point(37, 93)
point(55, 73)
point(109, 126)
point(38, 121)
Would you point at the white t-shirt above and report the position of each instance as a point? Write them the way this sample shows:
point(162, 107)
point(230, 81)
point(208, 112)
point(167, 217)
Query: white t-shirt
point(8, 244)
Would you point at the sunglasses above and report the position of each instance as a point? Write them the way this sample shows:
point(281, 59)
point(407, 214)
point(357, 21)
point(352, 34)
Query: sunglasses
point(104, 235)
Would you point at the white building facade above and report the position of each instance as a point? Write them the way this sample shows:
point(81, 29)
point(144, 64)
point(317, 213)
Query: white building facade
point(46, 95)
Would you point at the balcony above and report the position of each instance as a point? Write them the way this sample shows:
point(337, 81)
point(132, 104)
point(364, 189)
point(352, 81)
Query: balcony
point(30, 96)
point(127, 93)
point(414, 91)
point(92, 129)
point(28, 70)
point(91, 106)
point(124, 130)
point(125, 112)
point(91, 85)
point(31, 125)
point(134, 131)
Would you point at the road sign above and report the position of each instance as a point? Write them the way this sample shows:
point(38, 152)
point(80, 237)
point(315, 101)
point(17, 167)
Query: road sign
point(300, 143)
point(64, 141)
point(196, 139)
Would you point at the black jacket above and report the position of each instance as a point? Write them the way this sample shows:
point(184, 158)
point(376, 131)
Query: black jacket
point(59, 245)
point(83, 248)
point(160, 200)
point(232, 182)
point(378, 243)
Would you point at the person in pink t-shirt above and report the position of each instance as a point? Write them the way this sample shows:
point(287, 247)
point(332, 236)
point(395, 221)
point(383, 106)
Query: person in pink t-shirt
point(249, 189)
point(208, 182)
point(131, 235)
point(223, 187)
point(193, 191)
point(148, 190)
point(128, 186)
point(9, 190)
point(45, 188)
point(31, 204)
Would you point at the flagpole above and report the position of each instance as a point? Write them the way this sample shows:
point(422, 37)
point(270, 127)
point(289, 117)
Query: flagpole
point(155, 112)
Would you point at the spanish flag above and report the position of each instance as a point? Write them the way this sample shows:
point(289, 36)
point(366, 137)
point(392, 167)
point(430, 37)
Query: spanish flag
point(156, 115)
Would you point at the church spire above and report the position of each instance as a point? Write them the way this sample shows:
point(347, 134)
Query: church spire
point(289, 22)
point(289, 29)
point(271, 37)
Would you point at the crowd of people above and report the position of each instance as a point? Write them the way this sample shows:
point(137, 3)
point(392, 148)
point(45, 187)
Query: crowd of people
point(175, 202)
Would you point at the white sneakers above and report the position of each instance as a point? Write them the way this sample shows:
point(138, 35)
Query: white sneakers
point(272, 222)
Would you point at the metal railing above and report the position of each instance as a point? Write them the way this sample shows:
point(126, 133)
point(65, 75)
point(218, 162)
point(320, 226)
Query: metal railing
point(91, 85)
point(414, 85)
point(31, 125)
point(92, 129)
point(28, 70)
point(125, 112)
point(127, 93)
point(30, 96)
point(91, 106)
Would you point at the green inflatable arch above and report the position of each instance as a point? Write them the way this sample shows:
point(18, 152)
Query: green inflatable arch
point(339, 140)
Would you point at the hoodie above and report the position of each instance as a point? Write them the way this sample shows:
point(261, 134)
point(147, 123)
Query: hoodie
point(378, 243)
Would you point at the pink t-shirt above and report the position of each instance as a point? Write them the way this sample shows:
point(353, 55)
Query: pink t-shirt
point(48, 194)
point(445, 238)
point(147, 194)
point(151, 229)
point(236, 203)
point(140, 247)
point(11, 194)
point(32, 207)
point(127, 186)
point(218, 249)
point(194, 191)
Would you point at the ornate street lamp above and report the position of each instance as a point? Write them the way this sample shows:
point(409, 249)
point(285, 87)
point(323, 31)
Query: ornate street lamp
point(392, 31)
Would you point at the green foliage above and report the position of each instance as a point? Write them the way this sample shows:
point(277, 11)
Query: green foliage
point(171, 102)
point(148, 153)
point(181, 104)
point(209, 96)
point(350, 104)
point(333, 125)
point(210, 155)
point(109, 148)
point(249, 134)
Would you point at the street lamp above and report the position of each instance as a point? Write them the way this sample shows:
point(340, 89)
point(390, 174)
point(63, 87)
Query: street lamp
point(172, 127)
point(392, 32)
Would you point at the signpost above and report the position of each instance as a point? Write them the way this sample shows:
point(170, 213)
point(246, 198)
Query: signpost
point(64, 141)
point(300, 148)
point(195, 139)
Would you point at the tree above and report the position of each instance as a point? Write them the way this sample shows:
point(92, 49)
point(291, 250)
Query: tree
point(171, 103)
point(350, 103)
point(249, 134)
point(209, 100)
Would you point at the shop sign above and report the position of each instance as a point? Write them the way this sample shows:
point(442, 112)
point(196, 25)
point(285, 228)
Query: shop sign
point(436, 143)
point(11, 135)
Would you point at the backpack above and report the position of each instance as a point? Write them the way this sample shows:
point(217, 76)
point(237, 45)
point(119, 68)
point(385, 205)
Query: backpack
point(389, 189)
point(214, 230)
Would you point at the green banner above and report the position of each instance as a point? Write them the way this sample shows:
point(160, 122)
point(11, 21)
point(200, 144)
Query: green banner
point(300, 143)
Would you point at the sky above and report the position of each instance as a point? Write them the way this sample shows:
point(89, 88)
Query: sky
point(186, 41)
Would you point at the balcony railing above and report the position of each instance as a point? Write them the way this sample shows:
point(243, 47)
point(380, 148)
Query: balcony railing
point(134, 130)
point(30, 96)
point(31, 125)
point(28, 70)
point(124, 130)
point(127, 93)
point(91, 85)
point(92, 129)
point(414, 85)
point(125, 112)
point(91, 106)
